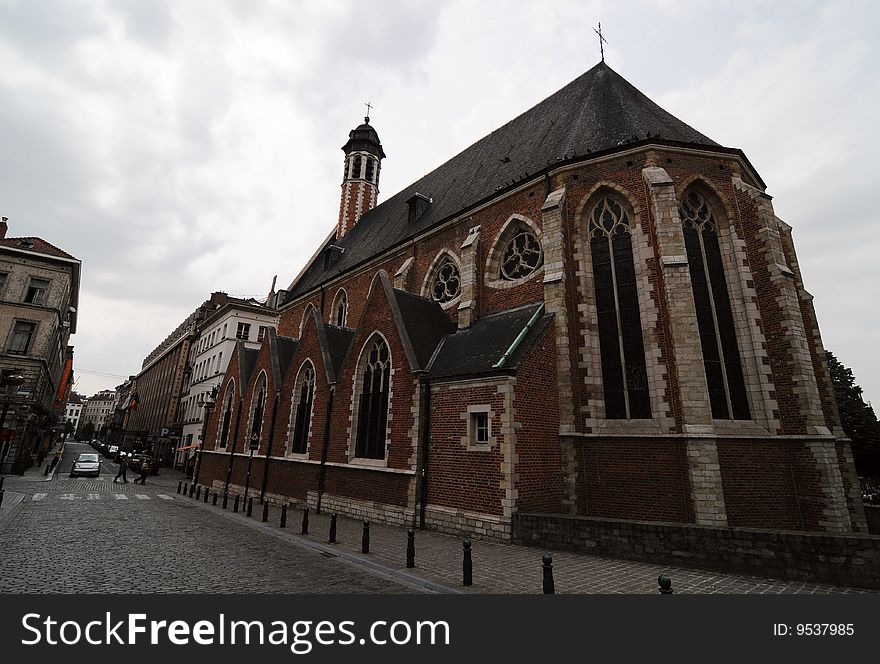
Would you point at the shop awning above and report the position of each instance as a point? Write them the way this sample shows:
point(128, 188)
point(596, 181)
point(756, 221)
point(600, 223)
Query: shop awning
point(187, 447)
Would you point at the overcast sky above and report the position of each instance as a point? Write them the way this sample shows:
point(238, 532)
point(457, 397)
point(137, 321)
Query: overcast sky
point(183, 147)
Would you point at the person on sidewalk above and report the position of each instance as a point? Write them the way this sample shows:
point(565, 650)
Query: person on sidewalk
point(123, 466)
point(145, 470)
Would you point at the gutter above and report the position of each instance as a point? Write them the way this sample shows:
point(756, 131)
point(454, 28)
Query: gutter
point(519, 338)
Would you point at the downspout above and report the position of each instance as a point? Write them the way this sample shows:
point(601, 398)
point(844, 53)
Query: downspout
point(322, 469)
point(522, 335)
point(232, 447)
point(423, 452)
point(269, 447)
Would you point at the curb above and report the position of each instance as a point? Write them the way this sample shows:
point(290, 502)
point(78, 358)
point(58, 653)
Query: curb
point(405, 578)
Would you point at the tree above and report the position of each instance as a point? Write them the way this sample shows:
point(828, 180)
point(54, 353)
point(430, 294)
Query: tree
point(857, 418)
point(88, 431)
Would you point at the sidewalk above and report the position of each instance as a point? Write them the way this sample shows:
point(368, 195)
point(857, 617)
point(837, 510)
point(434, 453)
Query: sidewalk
point(497, 567)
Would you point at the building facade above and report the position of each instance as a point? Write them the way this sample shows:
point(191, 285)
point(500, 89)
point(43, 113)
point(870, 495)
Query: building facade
point(245, 320)
point(39, 296)
point(73, 411)
point(97, 410)
point(591, 313)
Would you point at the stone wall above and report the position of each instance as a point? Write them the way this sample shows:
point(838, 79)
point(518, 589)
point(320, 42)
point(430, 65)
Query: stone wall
point(845, 560)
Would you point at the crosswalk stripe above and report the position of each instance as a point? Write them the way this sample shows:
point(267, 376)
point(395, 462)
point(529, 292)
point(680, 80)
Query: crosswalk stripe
point(120, 496)
point(39, 496)
point(93, 496)
point(164, 497)
point(142, 496)
point(68, 496)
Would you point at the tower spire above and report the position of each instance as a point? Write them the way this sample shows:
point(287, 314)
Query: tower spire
point(360, 178)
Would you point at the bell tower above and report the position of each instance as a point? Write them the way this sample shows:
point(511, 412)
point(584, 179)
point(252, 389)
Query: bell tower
point(360, 177)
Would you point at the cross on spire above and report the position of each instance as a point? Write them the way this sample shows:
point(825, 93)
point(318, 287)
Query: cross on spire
point(369, 106)
point(601, 39)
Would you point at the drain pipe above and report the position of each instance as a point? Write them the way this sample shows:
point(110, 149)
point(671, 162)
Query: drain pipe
point(232, 447)
point(269, 447)
point(522, 335)
point(322, 469)
point(423, 450)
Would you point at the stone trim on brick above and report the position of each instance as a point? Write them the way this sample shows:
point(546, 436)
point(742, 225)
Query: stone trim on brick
point(493, 262)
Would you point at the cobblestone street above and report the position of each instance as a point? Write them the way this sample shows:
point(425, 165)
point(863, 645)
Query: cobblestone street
point(91, 535)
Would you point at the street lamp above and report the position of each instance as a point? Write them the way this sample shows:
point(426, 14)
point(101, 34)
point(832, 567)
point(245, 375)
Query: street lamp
point(207, 400)
point(11, 381)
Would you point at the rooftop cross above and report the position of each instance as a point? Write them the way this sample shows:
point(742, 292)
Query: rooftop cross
point(601, 39)
point(369, 106)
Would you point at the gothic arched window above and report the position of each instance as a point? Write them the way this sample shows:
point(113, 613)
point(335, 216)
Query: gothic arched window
point(306, 390)
point(257, 407)
point(369, 175)
point(721, 360)
point(339, 312)
point(227, 414)
point(373, 406)
point(621, 348)
point(521, 256)
point(446, 285)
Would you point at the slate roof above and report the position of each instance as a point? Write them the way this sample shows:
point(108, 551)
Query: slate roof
point(477, 349)
point(425, 323)
point(35, 244)
point(598, 112)
point(286, 349)
point(249, 357)
point(338, 341)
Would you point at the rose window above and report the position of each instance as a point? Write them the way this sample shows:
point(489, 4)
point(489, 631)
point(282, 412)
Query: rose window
point(522, 256)
point(447, 283)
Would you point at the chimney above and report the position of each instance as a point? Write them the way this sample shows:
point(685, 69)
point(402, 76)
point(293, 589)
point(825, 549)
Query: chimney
point(4, 227)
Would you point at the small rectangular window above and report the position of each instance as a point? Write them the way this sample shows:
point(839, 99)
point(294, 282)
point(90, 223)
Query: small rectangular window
point(244, 331)
point(261, 334)
point(21, 337)
point(224, 330)
point(480, 428)
point(36, 293)
point(3, 276)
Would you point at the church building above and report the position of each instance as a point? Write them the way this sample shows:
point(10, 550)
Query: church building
point(591, 312)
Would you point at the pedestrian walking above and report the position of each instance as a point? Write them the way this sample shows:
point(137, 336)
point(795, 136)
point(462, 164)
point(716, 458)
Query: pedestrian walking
point(123, 466)
point(145, 469)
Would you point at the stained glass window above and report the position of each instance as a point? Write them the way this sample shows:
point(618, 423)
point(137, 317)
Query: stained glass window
point(522, 255)
point(303, 410)
point(373, 407)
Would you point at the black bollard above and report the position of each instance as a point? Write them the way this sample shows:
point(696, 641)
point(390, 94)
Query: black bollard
point(235, 504)
point(207, 491)
point(250, 507)
point(665, 584)
point(179, 485)
point(225, 499)
point(467, 565)
point(365, 538)
point(184, 489)
point(1, 482)
point(332, 529)
point(2, 493)
point(549, 586)
point(305, 523)
point(46, 472)
point(284, 515)
point(214, 499)
point(199, 492)
point(410, 548)
point(192, 489)
point(265, 511)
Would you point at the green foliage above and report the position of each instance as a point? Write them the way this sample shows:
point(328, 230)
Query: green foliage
point(88, 431)
point(858, 419)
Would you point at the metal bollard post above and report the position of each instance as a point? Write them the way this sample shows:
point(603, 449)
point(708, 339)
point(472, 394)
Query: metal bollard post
point(46, 472)
point(265, 511)
point(665, 584)
point(332, 529)
point(184, 489)
point(179, 485)
point(207, 491)
point(549, 586)
point(225, 499)
point(467, 565)
point(250, 507)
point(199, 492)
point(214, 499)
point(235, 504)
point(2, 493)
point(365, 538)
point(410, 548)
point(192, 489)
point(284, 515)
point(305, 523)
point(1, 482)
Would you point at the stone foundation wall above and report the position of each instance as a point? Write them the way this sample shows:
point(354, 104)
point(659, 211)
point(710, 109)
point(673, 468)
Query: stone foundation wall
point(846, 560)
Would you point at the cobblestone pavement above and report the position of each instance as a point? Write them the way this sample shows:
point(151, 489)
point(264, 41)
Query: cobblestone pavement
point(260, 557)
point(94, 536)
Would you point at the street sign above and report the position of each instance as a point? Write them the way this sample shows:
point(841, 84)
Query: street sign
point(255, 440)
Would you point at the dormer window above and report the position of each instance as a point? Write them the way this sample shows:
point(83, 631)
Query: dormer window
point(417, 204)
point(331, 253)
